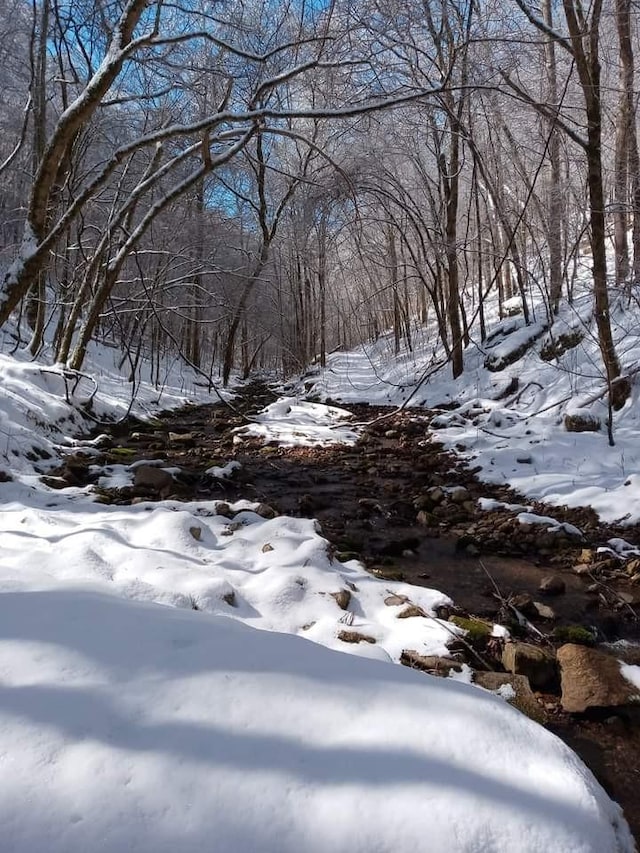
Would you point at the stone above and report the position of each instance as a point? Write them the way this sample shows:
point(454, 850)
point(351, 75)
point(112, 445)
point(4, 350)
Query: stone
point(552, 585)
point(432, 664)
point(582, 569)
point(181, 437)
point(266, 548)
point(152, 477)
point(230, 598)
point(223, 509)
point(54, 482)
point(592, 679)
point(411, 611)
point(543, 611)
point(435, 495)
point(196, 532)
point(394, 600)
point(342, 597)
point(524, 699)
point(458, 495)
point(524, 459)
point(630, 598)
point(536, 663)
point(265, 511)
point(425, 518)
point(355, 637)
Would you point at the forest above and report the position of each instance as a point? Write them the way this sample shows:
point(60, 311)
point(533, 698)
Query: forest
point(319, 426)
point(260, 184)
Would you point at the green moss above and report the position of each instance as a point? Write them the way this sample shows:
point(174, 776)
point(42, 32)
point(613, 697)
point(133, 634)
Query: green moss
point(476, 629)
point(573, 634)
point(123, 452)
point(345, 556)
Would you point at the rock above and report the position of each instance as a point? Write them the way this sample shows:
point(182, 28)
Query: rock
point(524, 699)
point(458, 494)
point(543, 611)
point(524, 459)
point(582, 569)
point(181, 437)
point(395, 600)
point(429, 663)
point(265, 511)
point(426, 519)
point(355, 637)
point(342, 597)
point(422, 503)
point(472, 550)
point(152, 477)
point(196, 532)
point(411, 611)
point(582, 423)
point(223, 509)
point(54, 482)
point(266, 548)
point(630, 598)
point(230, 598)
point(537, 664)
point(552, 585)
point(524, 603)
point(592, 679)
point(435, 495)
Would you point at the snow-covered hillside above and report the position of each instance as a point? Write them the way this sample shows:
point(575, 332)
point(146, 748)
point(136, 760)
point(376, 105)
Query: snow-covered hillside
point(510, 421)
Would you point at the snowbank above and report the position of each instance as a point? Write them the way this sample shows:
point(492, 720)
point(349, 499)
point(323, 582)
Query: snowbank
point(126, 726)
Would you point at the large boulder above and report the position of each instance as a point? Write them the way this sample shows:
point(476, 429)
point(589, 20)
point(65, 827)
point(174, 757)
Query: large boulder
point(592, 679)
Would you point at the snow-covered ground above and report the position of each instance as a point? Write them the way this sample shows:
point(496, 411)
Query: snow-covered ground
point(141, 710)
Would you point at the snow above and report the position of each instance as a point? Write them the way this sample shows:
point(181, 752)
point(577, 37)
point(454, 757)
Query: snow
point(170, 677)
point(179, 728)
point(39, 403)
point(293, 422)
point(631, 673)
point(552, 525)
point(223, 472)
point(274, 574)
